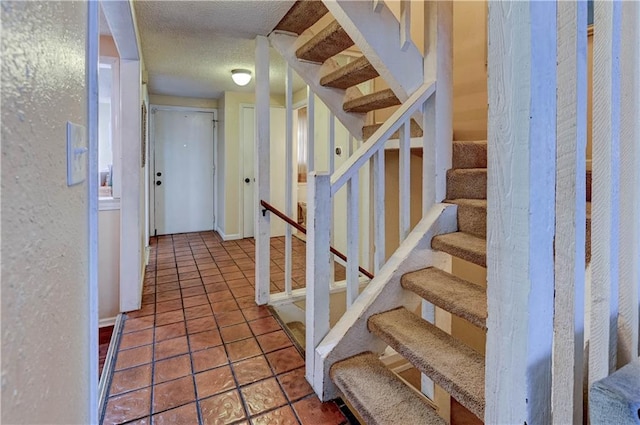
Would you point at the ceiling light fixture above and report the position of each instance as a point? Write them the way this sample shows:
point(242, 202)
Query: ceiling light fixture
point(241, 76)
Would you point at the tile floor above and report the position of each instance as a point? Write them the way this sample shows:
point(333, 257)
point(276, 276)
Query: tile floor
point(200, 351)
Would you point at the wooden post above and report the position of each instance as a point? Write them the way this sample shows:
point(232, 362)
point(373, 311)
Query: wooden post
point(262, 149)
point(571, 125)
point(606, 182)
point(404, 180)
point(288, 179)
point(629, 299)
point(521, 211)
point(353, 240)
point(378, 207)
point(318, 269)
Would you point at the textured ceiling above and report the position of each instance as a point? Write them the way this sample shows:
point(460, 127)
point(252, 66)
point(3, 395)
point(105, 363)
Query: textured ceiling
point(190, 47)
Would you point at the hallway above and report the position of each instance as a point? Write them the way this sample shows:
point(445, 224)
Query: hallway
point(200, 351)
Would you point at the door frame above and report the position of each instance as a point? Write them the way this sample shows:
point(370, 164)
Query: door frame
point(153, 108)
point(241, 162)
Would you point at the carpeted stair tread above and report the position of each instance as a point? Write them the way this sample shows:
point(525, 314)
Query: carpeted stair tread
point(328, 42)
point(302, 15)
point(472, 216)
point(371, 102)
point(378, 395)
point(352, 74)
point(462, 245)
point(454, 366)
point(470, 154)
point(469, 183)
point(368, 130)
point(450, 293)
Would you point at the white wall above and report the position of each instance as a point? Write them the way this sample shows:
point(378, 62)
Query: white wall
point(45, 301)
point(109, 264)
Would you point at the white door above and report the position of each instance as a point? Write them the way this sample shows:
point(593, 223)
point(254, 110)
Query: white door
point(277, 163)
point(183, 171)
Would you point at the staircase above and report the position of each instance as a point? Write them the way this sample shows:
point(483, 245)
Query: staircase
point(451, 364)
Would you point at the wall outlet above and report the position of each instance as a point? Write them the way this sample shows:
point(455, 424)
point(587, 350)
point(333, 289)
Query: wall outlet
point(76, 153)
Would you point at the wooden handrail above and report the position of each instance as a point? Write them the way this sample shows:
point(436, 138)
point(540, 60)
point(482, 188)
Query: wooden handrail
point(268, 207)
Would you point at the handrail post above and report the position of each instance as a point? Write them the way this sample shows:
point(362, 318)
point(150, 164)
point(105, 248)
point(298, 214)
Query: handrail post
point(318, 271)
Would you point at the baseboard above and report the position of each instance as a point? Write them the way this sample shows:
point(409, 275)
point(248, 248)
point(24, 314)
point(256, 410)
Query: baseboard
point(109, 365)
point(232, 237)
point(107, 321)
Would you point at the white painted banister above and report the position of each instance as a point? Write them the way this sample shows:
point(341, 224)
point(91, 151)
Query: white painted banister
point(288, 195)
point(568, 321)
point(377, 5)
point(404, 181)
point(353, 231)
point(262, 149)
point(378, 170)
point(405, 24)
point(605, 198)
point(381, 135)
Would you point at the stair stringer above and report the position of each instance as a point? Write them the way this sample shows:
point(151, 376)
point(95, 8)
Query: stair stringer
point(377, 35)
point(311, 73)
point(350, 336)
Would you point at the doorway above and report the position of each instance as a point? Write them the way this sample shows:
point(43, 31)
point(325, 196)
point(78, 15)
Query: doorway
point(183, 173)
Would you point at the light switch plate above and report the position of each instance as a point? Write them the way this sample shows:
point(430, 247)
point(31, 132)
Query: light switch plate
point(76, 153)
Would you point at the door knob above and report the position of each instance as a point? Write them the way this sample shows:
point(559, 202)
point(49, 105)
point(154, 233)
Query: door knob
point(247, 180)
point(158, 183)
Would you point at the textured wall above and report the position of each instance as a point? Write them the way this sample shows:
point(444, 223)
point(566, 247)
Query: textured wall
point(45, 337)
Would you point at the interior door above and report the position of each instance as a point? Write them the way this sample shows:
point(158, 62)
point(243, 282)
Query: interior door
point(183, 172)
point(277, 170)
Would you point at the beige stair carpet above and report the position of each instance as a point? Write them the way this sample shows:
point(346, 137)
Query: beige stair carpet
point(371, 102)
point(328, 42)
point(352, 74)
point(378, 395)
point(462, 245)
point(457, 368)
point(301, 16)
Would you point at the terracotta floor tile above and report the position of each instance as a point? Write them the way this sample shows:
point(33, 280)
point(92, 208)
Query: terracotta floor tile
point(243, 349)
point(136, 339)
point(184, 415)
point(173, 368)
point(198, 312)
point(224, 306)
point(168, 295)
point(138, 324)
point(207, 266)
point(223, 408)
point(169, 317)
point(193, 291)
point(235, 332)
point(312, 411)
point(195, 301)
point(295, 385)
point(208, 358)
point(210, 279)
point(273, 341)
point(148, 299)
point(233, 276)
point(209, 272)
point(219, 296)
point(285, 360)
point(166, 272)
point(167, 278)
point(190, 282)
point(201, 325)
point(171, 331)
point(127, 407)
point(242, 291)
point(171, 347)
point(130, 379)
point(168, 306)
point(141, 421)
point(214, 381)
point(188, 269)
point(146, 310)
point(134, 357)
point(264, 325)
point(164, 287)
point(246, 302)
point(251, 370)
point(229, 318)
point(203, 340)
point(263, 396)
point(173, 393)
point(281, 416)
point(255, 312)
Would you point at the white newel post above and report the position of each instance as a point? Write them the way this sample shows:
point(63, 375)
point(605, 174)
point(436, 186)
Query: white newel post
point(318, 271)
point(568, 342)
point(262, 149)
point(521, 211)
point(606, 183)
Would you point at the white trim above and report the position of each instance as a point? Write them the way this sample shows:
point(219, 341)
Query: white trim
point(241, 167)
point(231, 237)
point(180, 108)
point(107, 321)
point(107, 370)
point(92, 63)
point(108, 204)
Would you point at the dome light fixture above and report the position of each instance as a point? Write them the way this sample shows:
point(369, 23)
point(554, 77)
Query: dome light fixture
point(241, 77)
